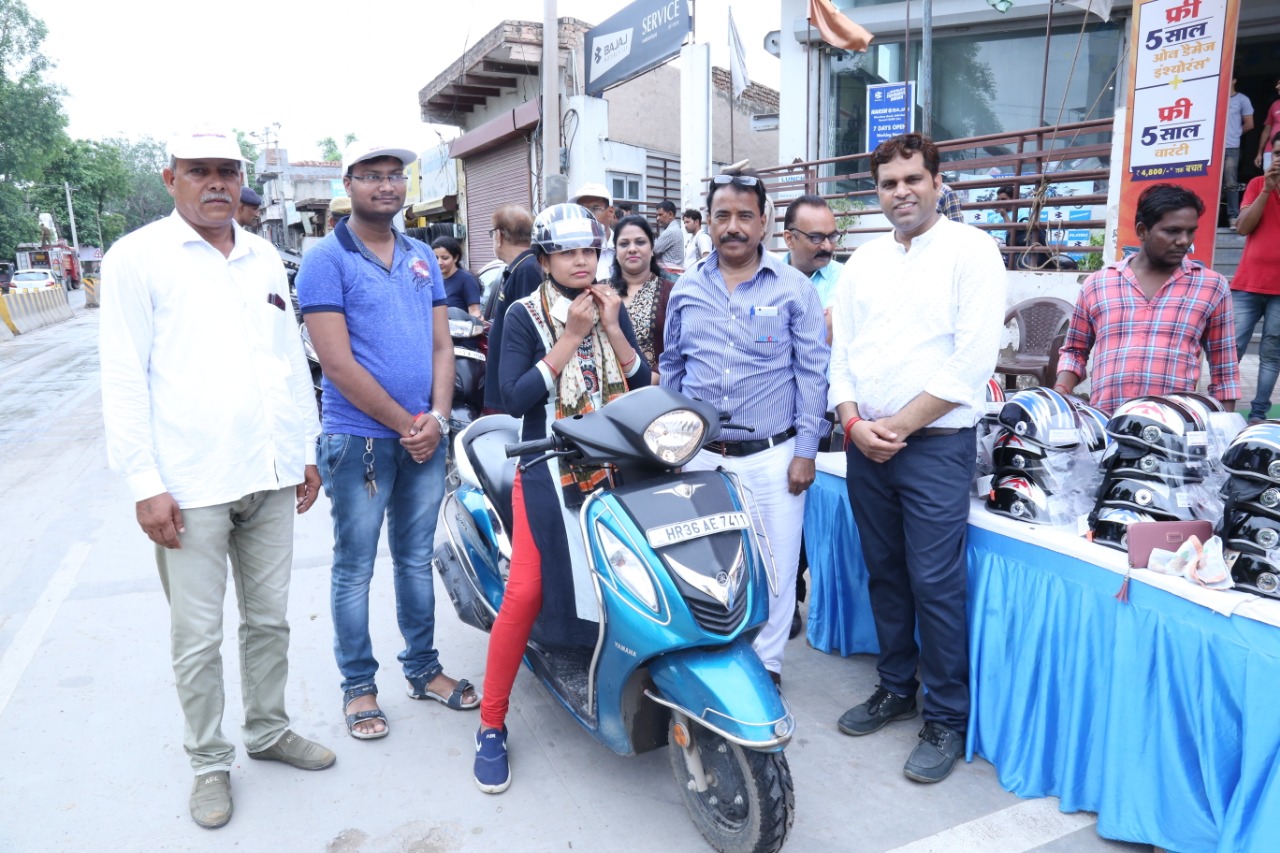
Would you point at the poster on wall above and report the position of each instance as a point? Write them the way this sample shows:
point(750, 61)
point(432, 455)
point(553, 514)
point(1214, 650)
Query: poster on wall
point(1180, 64)
point(890, 111)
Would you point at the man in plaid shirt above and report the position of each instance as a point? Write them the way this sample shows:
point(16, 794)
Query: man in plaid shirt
point(1148, 318)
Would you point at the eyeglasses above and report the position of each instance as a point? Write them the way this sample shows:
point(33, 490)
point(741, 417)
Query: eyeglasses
point(596, 209)
point(740, 180)
point(492, 231)
point(376, 179)
point(818, 239)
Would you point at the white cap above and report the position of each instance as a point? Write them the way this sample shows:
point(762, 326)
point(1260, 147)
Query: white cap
point(592, 191)
point(205, 142)
point(358, 152)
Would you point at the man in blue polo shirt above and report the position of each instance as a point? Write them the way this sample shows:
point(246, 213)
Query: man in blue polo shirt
point(809, 229)
point(374, 303)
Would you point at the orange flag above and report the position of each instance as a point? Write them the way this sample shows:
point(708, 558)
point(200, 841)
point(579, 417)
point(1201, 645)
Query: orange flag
point(836, 29)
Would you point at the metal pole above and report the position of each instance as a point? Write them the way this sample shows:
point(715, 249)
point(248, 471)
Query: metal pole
point(1044, 83)
point(550, 97)
point(926, 68)
point(906, 45)
point(71, 214)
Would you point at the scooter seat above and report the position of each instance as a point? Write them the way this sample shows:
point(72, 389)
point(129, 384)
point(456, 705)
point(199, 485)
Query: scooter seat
point(485, 444)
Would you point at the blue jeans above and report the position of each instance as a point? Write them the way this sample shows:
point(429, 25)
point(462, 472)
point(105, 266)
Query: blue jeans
point(408, 495)
point(1231, 180)
point(1249, 307)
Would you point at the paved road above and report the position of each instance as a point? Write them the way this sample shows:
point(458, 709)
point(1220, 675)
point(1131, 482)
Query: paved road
point(90, 729)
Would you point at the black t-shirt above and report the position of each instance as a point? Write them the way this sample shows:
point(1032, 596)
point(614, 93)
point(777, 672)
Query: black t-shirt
point(522, 277)
point(461, 290)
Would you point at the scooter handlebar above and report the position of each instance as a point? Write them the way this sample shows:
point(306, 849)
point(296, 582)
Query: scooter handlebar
point(538, 445)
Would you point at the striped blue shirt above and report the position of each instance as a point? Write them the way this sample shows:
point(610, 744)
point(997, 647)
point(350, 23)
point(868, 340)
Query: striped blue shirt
point(759, 353)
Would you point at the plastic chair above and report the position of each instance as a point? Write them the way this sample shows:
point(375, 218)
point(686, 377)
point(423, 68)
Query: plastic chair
point(1042, 326)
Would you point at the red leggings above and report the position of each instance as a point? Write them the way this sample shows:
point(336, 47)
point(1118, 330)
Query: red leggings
point(520, 606)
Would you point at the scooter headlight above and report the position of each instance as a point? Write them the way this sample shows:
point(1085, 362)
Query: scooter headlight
point(628, 568)
point(675, 437)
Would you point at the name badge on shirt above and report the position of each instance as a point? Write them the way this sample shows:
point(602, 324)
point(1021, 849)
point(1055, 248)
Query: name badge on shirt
point(764, 323)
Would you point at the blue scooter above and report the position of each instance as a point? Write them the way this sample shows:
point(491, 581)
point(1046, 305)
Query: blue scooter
point(681, 590)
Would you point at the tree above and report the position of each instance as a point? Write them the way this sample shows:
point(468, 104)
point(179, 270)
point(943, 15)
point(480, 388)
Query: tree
point(329, 149)
point(31, 119)
point(250, 153)
point(147, 199)
point(97, 175)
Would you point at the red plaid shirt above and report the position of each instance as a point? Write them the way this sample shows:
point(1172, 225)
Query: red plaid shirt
point(1143, 346)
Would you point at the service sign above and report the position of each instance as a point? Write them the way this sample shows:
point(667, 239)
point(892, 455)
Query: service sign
point(890, 111)
point(640, 37)
point(1180, 65)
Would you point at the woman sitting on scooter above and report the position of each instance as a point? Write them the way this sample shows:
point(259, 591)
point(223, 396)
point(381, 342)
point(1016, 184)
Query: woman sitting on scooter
point(567, 349)
point(643, 285)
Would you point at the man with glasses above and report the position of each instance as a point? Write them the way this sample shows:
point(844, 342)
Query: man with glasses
point(595, 198)
point(374, 303)
point(668, 247)
point(744, 333)
point(809, 229)
point(511, 234)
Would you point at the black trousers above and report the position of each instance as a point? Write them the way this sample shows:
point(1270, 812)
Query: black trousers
point(912, 514)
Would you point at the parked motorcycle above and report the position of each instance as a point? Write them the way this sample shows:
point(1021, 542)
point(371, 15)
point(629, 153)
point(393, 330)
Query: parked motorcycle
point(313, 361)
point(468, 335)
point(681, 587)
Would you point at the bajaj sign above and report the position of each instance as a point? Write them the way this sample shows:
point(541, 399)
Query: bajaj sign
point(645, 34)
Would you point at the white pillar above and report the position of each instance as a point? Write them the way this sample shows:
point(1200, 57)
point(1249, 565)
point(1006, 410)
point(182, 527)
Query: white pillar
point(695, 122)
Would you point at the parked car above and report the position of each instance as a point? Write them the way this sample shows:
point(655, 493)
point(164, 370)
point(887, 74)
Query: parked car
point(490, 276)
point(33, 280)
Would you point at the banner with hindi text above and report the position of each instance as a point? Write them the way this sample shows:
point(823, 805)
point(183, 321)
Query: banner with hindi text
point(1180, 57)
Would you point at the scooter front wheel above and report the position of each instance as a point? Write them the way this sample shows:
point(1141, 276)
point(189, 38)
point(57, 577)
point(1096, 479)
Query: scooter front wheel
point(748, 804)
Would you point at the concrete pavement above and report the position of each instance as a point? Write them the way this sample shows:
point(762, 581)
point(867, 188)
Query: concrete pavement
point(91, 731)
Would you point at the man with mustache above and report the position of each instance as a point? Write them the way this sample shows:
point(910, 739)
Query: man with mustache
point(1147, 319)
point(809, 229)
point(916, 328)
point(744, 333)
point(374, 303)
point(210, 417)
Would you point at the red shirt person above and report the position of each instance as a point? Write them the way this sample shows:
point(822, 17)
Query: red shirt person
point(1255, 290)
point(1147, 319)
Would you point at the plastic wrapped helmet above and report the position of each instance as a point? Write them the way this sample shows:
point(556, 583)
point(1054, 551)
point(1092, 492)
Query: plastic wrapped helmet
point(1043, 416)
point(1018, 496)
point(565, 227)
point(1093, 428)
point(1155, 498)
point(1254, 573)
point(1255, 453)
point(1156, 424)
point(1137, 463)
point(1242, 527)
point(1112, 525)
point(1240, 490)
point(1199, 405)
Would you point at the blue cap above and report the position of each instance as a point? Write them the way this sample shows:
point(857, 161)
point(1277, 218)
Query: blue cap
point(249, 197)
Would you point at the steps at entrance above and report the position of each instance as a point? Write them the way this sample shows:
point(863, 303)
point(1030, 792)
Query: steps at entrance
point(1227, 248)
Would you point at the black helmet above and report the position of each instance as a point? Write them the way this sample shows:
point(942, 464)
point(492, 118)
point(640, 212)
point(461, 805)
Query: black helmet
point(565, 227)
point(1255, 453)
point(1043, 416)
point(1155, 498)
point(1156, 424)
point(1199, 405)
point(1111, 528)
point(1254, 573)
point(1241, 527)
point(1239, 490)
point(1011, 453)
point(1018, 496)
point(1093, 427)
point(1138, 463)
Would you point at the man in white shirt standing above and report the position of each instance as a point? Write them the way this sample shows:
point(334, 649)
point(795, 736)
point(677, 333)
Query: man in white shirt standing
point(698, 244)
point(907, 381)
point(211, 419)
point(1239, 122)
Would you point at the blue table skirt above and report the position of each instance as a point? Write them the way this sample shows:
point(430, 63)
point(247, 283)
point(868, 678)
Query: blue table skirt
point(1160, 715)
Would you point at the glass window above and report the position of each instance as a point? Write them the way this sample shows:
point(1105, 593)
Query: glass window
point(624, 186)
point(982, 83)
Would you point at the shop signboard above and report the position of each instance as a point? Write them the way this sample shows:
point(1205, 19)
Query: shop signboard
point(890, 111)
point(1180, 68)
point(640, 37)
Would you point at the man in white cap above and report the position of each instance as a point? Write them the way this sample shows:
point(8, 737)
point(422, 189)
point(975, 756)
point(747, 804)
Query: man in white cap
point(374, 303)
point(595, 198)
point(210, 417)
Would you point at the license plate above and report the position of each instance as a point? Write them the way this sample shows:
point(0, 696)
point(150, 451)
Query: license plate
point(696, 527)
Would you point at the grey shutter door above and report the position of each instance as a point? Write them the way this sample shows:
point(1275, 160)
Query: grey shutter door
point(494, 178)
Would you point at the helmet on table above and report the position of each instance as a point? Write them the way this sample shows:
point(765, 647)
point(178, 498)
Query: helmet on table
point(1255, 453)
point(1254, 573)
point(1018, 496)
point(565, 227)
point(1152, 497)
point(1043, 416)
point(1155, 423)
point(1243, 527)
point(1111, 528)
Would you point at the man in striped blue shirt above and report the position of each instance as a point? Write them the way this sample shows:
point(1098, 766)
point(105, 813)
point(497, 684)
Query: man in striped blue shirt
point(745, 332)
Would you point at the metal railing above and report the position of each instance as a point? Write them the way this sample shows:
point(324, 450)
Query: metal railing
point(1034, 161)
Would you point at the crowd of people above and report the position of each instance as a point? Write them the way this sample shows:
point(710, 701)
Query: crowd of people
point(211, 420)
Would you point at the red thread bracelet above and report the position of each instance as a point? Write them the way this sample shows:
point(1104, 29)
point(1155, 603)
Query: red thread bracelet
point(550, 367)
point(848, 429)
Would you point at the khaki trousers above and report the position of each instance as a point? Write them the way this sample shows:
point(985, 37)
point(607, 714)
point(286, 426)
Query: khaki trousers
point(256, 533)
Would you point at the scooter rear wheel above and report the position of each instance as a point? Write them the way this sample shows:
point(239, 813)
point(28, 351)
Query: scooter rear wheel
point(749, 804)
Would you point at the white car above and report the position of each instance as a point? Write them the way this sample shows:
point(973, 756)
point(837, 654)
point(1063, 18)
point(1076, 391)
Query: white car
point(33, 280)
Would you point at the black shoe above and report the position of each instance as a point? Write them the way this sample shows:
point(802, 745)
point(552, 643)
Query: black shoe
point(935, 756)
point(877, 712)
point(796, 624)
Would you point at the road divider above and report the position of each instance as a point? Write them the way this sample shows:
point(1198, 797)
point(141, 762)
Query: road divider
point(26, 312)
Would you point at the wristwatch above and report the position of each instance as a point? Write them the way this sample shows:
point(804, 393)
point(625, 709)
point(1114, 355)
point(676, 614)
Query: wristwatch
point(442, 420)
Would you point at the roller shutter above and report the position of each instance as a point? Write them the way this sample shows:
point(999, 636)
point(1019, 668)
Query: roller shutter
point(496, 177)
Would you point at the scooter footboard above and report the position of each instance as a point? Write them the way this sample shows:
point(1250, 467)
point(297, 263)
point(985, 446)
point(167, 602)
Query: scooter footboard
point(728, 690)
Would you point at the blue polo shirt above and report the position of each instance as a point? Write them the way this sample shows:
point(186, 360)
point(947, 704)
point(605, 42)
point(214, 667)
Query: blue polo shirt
point(389, 320)
point(824, 279)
